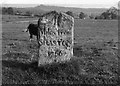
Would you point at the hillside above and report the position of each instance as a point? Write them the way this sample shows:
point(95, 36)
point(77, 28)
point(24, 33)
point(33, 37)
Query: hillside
point(31, 9)
point(75, 10)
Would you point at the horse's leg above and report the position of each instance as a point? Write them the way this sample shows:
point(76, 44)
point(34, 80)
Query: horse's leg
point(38, 41)
point(31, 36)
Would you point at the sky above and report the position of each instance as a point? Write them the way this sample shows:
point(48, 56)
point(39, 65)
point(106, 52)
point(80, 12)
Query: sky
point(65, 3)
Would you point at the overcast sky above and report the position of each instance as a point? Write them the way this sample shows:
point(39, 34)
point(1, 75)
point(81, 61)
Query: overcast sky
point(68, 3)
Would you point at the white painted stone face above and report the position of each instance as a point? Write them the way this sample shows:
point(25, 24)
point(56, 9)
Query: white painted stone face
point(56, 38)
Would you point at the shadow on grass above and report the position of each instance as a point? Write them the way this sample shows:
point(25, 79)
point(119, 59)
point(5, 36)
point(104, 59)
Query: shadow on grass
point(18, 65)
point(55, 70)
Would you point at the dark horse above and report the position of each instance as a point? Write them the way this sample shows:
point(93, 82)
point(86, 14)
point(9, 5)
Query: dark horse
point(33, 30)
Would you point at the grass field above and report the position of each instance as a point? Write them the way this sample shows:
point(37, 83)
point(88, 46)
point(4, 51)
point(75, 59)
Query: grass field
point(95, 59)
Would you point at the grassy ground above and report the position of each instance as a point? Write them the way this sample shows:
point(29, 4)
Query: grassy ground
point(95, 59)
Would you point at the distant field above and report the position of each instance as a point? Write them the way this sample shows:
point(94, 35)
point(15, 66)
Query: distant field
point(14, 18)
point(95, 54)
point(104, 30)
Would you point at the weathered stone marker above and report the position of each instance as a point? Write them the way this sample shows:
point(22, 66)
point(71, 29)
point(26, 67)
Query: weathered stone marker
point(56, 37)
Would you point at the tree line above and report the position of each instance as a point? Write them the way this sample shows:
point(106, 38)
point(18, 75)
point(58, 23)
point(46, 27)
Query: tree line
point(11, 11)
point(8, 10)
point(111, 13)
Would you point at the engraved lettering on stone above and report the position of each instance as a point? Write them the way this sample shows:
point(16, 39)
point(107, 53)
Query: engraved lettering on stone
point(56, 37)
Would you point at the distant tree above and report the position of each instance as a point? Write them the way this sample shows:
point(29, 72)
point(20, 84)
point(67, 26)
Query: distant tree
point(111, 13)
point(105, 15)
point(4, 10)
point(114, 16)
point(10, 10)
point(70, 13)
point(82, 15)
